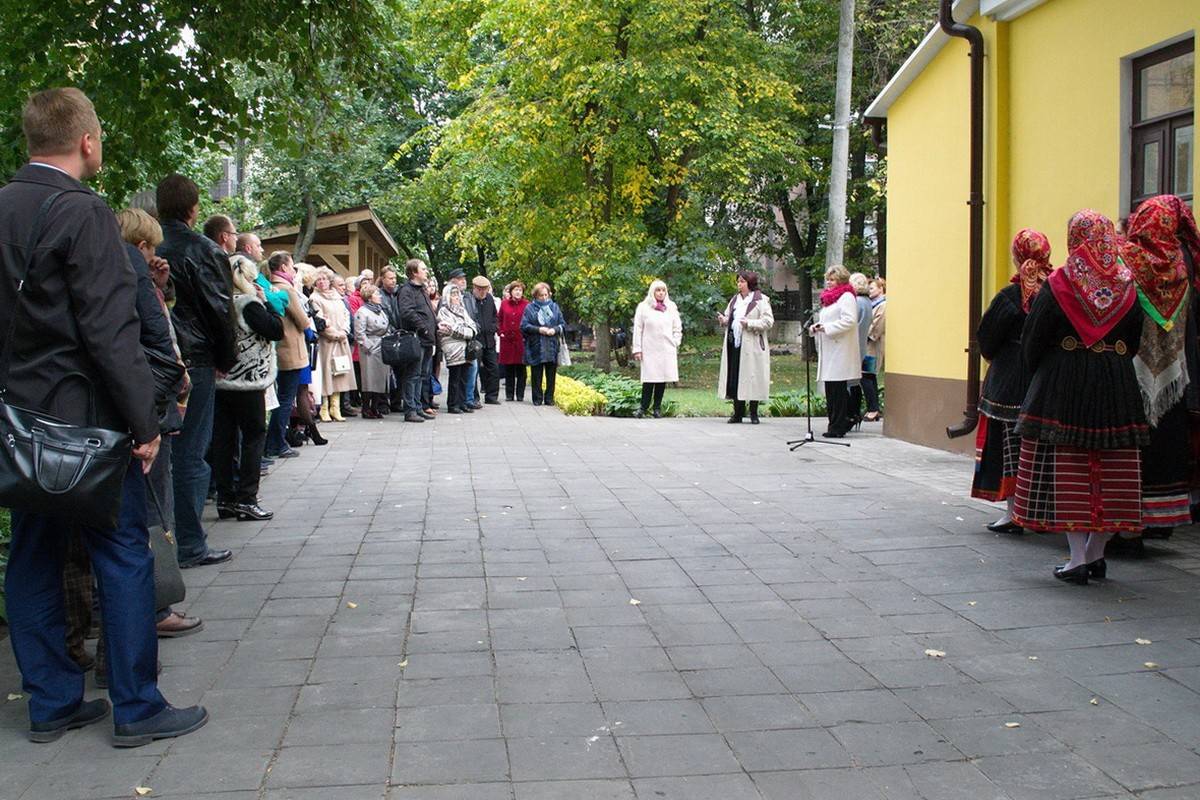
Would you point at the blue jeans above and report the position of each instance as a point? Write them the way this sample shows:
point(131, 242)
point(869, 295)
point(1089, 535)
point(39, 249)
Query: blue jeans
point(191, 471)
point(124, 568)
point(287, 383)
point(415, 377)
point(472, 380)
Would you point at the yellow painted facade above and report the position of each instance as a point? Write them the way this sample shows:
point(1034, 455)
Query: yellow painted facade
point(1057, 88)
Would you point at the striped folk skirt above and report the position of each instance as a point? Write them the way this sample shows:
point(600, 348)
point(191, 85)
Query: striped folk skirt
point(997, 455)
point(1067, 490)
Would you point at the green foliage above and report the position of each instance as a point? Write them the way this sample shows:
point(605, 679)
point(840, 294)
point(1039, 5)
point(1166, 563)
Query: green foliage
point(164, 73)
point(622, 395)
point(795, 404)
point(577, 399)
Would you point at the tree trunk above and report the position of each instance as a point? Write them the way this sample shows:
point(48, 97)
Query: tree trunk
point(481, 259)
point(308, 228)
point(835, 237)
point(603, 345)
point(803, 278)
point(856, 247)
point(881, 240)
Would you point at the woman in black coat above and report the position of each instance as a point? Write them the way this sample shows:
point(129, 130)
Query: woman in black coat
point(997, 445)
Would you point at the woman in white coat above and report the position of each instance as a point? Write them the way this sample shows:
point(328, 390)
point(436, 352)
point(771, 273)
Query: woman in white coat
point(657, 332)
point(839, 354)
point(746, 357)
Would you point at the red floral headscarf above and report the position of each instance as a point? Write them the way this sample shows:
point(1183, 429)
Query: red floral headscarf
point(1031, 255)
point(1158, 231)
point(1094, 287)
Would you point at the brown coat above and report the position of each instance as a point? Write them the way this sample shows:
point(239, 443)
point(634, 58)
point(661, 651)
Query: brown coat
point(292, 349)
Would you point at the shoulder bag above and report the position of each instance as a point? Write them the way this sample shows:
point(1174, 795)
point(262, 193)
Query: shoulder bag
point(169, 588)
point(400, 348)
point(49, 466)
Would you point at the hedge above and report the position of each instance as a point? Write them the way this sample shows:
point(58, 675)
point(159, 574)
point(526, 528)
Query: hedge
point(577, 399)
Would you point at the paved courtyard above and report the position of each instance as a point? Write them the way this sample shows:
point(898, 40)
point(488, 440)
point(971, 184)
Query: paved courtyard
point(516, 605)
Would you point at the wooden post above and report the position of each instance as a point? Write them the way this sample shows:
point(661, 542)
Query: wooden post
point(352, 263)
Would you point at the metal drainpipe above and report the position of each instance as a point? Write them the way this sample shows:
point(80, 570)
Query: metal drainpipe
point(975, 37)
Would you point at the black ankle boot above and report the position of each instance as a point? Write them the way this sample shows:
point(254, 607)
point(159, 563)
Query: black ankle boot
point(753, 412)
point(315, 435)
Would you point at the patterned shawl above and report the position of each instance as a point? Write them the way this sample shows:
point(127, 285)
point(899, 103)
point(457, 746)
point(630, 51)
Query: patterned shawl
point(1031, 254)
point(1158, 231)
point(1094, 287)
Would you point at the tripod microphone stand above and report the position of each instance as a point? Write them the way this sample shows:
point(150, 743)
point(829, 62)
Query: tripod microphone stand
point(809, 438)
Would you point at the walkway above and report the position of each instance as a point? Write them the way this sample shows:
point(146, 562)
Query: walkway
point(516, 605)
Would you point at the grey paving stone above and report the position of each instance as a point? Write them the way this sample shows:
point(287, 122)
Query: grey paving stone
point(330, 764)
point(618, 686)
point(677, 755)
point(470, 761)
point(448, 722)
point(1040, 775)
point(345, 695)
point(735, 681)
point(890, 743)
point(810, 748)
point(818, 784)
point(555, 720)
point(1140, 767)
point(102, 778)
point(979, 737)
point(870, 705)
point(463, 791)
point(547, 758)
point(354, 726)
point(644, 717)
point(576, 790)
point(230, 770)
point(952, 781)
point(707, 787)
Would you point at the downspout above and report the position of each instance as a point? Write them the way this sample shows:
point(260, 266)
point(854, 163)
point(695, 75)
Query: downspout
point(975, 308)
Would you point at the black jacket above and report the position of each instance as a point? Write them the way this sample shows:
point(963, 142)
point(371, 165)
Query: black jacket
point(416, 313)
point(1000, 343)
point(77, 323)
point(391, 305)
point(484, 313)
point(203, 311)
point(156, 331)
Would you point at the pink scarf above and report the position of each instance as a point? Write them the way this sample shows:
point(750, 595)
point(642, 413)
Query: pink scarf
point(830, 296)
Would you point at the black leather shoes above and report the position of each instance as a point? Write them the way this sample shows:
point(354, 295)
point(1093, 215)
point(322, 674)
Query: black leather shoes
point(208, 559)
point(251, 511)
point(495, 401)
point(226, 511)
point(88, 712)
point(641, 412)
point(1005, 527)
point(166, 724)
point(1098, 569)
point(412, 416)
point(657, 413)
point(1078, 575)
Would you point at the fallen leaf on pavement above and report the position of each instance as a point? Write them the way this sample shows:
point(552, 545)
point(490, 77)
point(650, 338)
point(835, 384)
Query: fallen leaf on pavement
point(1033, 658)
point(634, 602)
point(522, 579)
point(970, 602)
point(1150, 665)
point(1143, 641)
point(12, 697)
point(1094, 701)
point(351, 605)
point(403, 663)
point(1012, 724)
point(935, 653)
point(142, 791)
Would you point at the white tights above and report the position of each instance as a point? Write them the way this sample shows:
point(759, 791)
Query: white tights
point(1086, 548)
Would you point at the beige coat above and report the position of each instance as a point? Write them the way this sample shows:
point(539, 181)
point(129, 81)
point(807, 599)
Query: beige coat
point(292, 350)
point(335, 341)
point(462, 328)
point(754, 364)
point(839, 358)
point(656, 335)
point(876, 335)
point(370, 326)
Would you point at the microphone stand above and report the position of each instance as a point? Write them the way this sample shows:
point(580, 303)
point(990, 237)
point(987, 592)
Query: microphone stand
point(809, 438)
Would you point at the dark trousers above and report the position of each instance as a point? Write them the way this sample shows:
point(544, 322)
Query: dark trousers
point(244, 413)
point(489, 374)
point(124, 570)
point(190, 471)
point(457, 390)
point(653, 389)
point(536, 371)
point(837, 398)
point(428, 362)
point(514, 381)
point(870, 387)
point(415, 377)
point(286, 385)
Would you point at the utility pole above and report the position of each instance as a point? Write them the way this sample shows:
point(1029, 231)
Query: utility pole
point(835, 237)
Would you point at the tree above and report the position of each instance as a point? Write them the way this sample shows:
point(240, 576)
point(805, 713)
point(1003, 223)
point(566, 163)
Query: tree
point(163, 72)
point(596, 134)
point(839, 165)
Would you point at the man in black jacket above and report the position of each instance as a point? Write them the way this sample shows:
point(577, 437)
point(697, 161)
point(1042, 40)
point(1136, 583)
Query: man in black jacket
point(72, 333)
point(389, 298)
point(416, 314)
point(203, 317)
point(482, 307)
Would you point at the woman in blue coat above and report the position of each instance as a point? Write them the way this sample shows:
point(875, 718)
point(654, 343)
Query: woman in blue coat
point(542, 326)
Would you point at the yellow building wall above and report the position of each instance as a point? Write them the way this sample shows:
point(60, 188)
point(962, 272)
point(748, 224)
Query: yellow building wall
point(1066, 119)
point(1054, 125)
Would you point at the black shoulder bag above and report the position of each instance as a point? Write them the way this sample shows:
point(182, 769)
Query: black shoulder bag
point(49, 466)
point(400, 348)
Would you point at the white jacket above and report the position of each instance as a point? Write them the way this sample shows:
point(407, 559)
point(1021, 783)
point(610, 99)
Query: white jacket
point(839, 358)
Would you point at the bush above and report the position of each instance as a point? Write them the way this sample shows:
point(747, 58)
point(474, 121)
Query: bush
point(622, 395)
point(577, 399)
point(795, 404)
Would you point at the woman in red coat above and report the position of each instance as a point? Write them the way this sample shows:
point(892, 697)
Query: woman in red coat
point(512, 343)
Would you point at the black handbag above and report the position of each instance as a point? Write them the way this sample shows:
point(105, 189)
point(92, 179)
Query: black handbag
point(169, 588)
point(400, 348)
point(49, 466)
point(474, 349)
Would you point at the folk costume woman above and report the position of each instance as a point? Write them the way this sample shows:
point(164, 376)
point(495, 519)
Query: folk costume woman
point(997, 445)
point(1082, 422)
point(745, 374)
point(1162, 249)
point(657, 333)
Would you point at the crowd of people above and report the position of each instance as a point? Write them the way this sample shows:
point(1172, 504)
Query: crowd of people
point(1090, 412)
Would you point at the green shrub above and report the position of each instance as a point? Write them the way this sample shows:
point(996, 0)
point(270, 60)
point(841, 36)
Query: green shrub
point(795, 404)
point(577, 399)
point(622, 395)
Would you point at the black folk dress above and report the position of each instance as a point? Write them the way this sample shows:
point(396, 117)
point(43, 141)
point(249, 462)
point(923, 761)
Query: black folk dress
point(997, 445)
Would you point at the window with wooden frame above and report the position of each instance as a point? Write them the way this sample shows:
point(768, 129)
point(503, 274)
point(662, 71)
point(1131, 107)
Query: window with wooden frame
point(1164, 123)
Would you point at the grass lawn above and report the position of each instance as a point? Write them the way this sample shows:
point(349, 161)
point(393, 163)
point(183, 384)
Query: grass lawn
point(699, 363)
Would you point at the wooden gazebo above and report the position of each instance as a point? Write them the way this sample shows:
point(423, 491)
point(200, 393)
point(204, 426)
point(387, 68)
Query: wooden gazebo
point(347, 241)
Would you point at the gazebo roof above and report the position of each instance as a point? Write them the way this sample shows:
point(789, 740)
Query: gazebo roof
point(334, 228)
